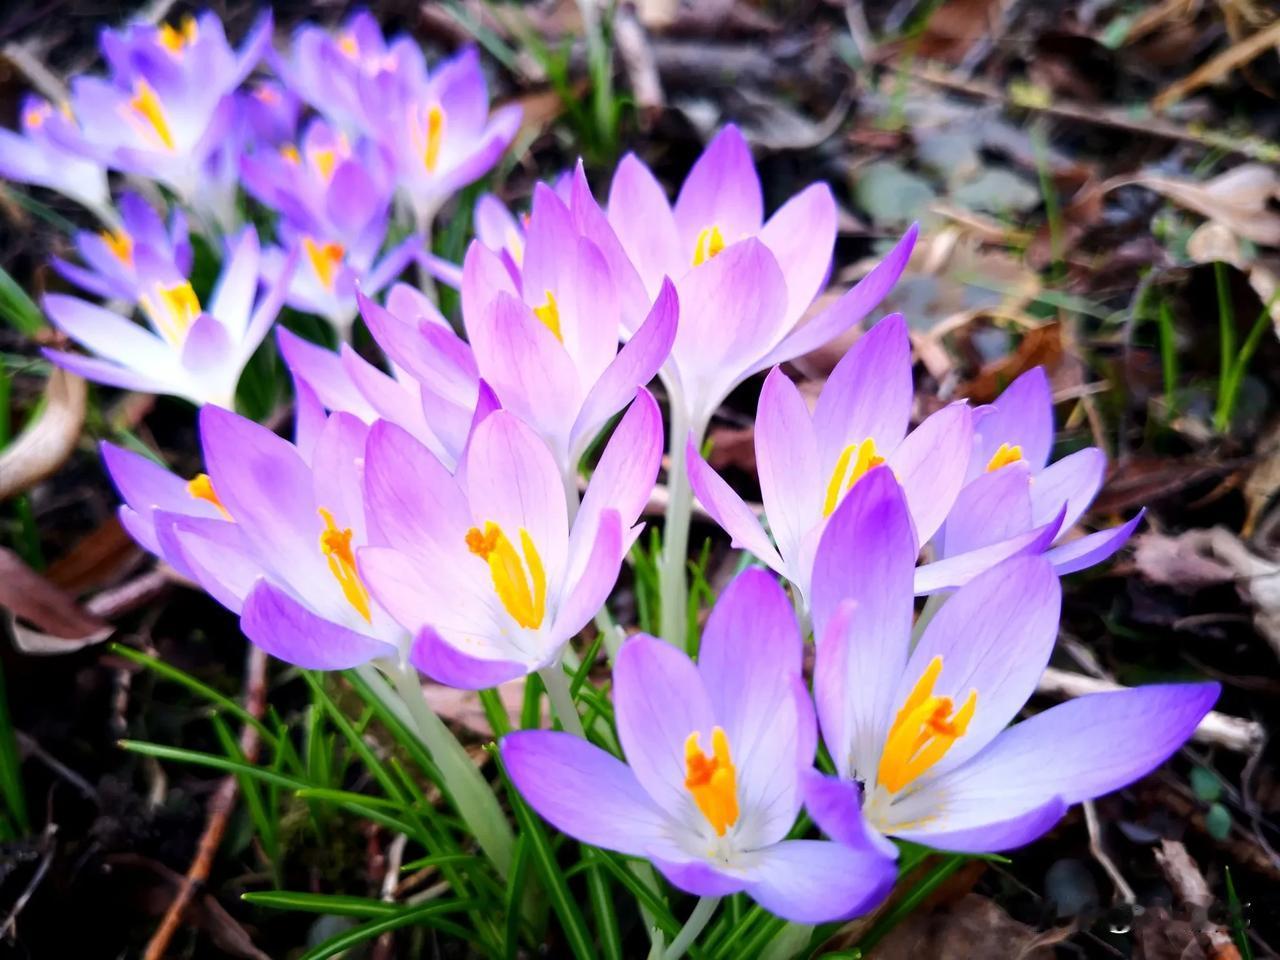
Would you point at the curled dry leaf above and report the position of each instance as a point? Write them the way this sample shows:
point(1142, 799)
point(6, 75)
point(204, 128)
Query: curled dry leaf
point(44, 446)
point(1200, 558)
point(57, 623)
point(972, 927)
point(1240, 198)
point(1214, 241)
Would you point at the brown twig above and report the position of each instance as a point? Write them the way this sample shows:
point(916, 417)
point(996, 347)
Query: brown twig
point(1189, 886)
point(218, 811)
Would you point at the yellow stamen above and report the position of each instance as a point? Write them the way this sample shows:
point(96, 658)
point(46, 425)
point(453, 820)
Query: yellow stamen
point(923, 731)
point(710, 242)
point(324, 161)
point(267, 94)
point(521, 585)
point(515, 246)
point(1004, 456)
point(146, 105)
point(549, 315)
point(201, 488)
point(120, 244)
point(864, 458)
point(712, 781)
point(35, 116)
point(335, 544)
point(325, 259)
point(435, 135)
point(290, 154)
point(172, 310)
point(175, 39)
point(348, 45)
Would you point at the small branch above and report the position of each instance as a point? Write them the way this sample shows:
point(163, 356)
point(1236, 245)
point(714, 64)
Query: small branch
point(47, 841)
point(1100, 854)
point(218, 810)
point(1216, 729)
point(1189, 886)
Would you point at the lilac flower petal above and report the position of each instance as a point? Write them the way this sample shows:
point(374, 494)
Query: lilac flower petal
point(960, 569)
point(287, 630)
point(749, 658)
point(108, 373)
point(308, 418)
point(993, 834)
point(991, 508)
point(145, 485)
point(589, 220)
point(722, 190)
point(868, 395)
point(588, 593)
point(628, 467)
point(994, 636)
point(802, 234)
point(642, 219)
point(1092, 549)
point(444, 663)
point(264, 314)
point(930, 464)
point(454, 598)
point(848, 310)
point(102, 285)
point(697, 877)
point(1074, 480)
point(583, 791)
point(322, 371)
point(835, 805)
point(1021, 416)
point(208, 350)
point(787, 462)
point(232, 299)
point(109, 335)
point(635, 365)
point(216, 553)
point(815, 881)
point(729, 511)
point(659, 700)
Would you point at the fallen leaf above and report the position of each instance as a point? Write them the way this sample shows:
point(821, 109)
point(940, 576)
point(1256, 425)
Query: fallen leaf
point(972, 927)
point(1241, 198)
point(1221, 66)
point(44, 446)
point(58, 623)
point(1040, 347)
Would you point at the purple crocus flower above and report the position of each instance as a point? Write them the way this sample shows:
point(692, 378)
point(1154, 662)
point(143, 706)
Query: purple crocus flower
point(111, 256)
point(743, 284)
point(485, 567)
point(1013, 488)
point(502, 232)
point(440, 132)
point(271, 533)
point(36, 157)
point(433, 390)
point(269, 111)
point(715, 759)
point(165, 107)
point(918, 735)
point(189, 351)
point(809, 463)
point(548, 345)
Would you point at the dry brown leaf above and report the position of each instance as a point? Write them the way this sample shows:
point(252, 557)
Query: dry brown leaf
point(1214, 241)
point(1240, 198)
point(1218, 68)
point(57, 623)
point(1040, 347)
point(972, 927)
point(44, 446)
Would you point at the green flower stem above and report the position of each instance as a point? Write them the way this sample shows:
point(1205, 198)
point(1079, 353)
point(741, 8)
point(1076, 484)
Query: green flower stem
point(557, 684)
point(697, 921)
point(673, 579)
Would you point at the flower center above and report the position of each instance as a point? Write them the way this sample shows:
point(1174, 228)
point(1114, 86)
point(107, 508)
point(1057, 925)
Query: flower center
point(863, 457)
point(435, 137)
point(712, 780)
point(348, 44)
point(172, 310)
point(325, 259)
point(549, 315)
point(200, 487)
point(120, 244)
point(1005, 454)
point(521, 584)
point(176, 39)
point(710, 242)
point(146, 105)
point(335, 544)
point(923, 731)
point(290, 154)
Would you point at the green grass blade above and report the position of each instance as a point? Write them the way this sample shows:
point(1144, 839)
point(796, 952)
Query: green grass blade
point(11, 788)
point(516, 890)
point(601, 894)
point(264, 819)
point(331, 904)
point(430, 915)
point(1239, 927)
point(18, 309)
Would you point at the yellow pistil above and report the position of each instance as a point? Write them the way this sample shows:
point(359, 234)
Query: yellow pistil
point(515, 246)
point(435, 137)
point(710, 242)
point(325, 259)
point(549, 315)
point(923, 731)
point(290, 154)
point(176, 39)
point(335, 544)
point(172, 310)
point(120, 244)
point(268, 95)
point(35, 116)
point(712, 781)
point(200, 487)
point(864, 458)
point(324, 160)
point(1004, 456)
point(146, 105)
point(348, 45)
point(521, 585)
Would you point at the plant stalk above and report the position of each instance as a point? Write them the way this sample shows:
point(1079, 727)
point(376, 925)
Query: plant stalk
point(557, 684)
point(673, 580)
point(694, 926)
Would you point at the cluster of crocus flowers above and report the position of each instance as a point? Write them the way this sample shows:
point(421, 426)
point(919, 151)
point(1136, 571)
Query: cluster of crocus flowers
point(438, 512)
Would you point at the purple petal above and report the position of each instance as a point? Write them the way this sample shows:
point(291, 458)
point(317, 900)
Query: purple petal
point(284, 628)
point(444, 663)
point(815, 881)
point(583, 791)
point(869, 393)
point(323, 372)
point(991, 508)
point(215, 553)
point(1074, 481)
point(992, 835)
point(930, 464)
point(1021, 416)
point(1088, 550)
point(787, 463)
point(958, 570)
point(589, 592)
point(659, 700)
point(628, 468)
point(697, 877)
point(642, 219)
point(109, 335)
point(722, 190)
point(836, 807)
point(729, 511)
point(108, 373)
point(232, 297)
point(802, 235)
